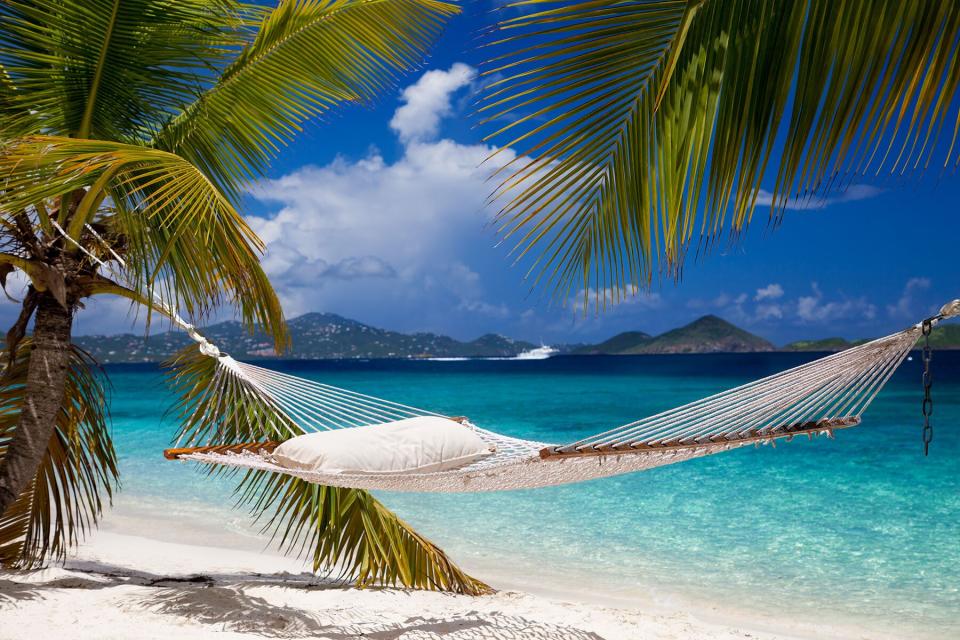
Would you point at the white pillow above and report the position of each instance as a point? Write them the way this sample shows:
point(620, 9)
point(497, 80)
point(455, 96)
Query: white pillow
point(414, 445)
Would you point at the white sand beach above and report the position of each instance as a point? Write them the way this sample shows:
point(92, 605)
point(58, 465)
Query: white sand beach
point(128, 586)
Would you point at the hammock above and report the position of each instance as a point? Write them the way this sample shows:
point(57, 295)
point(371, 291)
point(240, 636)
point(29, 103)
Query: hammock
point(812, 399)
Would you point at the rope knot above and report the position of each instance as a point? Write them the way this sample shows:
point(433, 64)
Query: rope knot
point(209, 349)
point(951, 309)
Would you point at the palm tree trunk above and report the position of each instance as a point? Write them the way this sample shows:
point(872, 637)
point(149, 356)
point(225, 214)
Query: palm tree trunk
point(46, 380)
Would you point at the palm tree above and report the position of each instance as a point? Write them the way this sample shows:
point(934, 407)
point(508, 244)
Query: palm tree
point(128, 131)
point(645, 127)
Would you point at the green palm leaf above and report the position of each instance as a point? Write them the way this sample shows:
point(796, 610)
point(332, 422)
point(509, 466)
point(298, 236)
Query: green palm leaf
point(78, 472)
point(112, 69)
point(306, 57)
point(350, 532)
point(344, 530)
point(181, 237)
point(646, 127)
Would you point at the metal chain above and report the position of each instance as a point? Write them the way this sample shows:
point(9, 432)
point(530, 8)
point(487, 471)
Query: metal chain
point(927, 406)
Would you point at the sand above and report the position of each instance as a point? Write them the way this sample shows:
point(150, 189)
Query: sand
point(125, 586)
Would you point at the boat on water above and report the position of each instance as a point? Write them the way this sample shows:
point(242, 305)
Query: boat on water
point(540, 353)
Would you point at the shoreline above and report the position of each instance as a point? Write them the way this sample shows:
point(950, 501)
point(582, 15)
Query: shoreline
point(143, 587)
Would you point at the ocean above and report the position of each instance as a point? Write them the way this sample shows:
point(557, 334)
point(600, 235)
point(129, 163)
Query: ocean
point(862, 529)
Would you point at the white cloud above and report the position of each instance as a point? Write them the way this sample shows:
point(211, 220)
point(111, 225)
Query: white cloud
point(485, 308)
point(361, 267)
point(406, 224)
point(770, 305)
point(313, 273)
point(772, 291)
point(427, 102)
point(769, 312)
point(904, 306)
point(622, 296)
point(813, 309)
point(361, 235)
point(851, 193)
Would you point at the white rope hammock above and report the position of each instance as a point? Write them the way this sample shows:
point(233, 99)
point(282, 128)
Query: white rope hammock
point(812, 399)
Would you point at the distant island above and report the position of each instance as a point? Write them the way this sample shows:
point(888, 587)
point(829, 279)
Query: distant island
point(320, 336)
point(708, 334)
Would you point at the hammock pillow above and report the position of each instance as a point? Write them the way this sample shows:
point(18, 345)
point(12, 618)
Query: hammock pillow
point(414, 445)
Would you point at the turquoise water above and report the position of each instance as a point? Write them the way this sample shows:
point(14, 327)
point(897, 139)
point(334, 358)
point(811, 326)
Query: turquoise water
point(862, 529)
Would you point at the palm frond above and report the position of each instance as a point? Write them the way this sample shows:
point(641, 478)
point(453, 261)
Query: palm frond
point(351, 533)
point(218, 406)
point(13, 122)
point(306, 57)
point(342, 530)
point(109, 68)
point(182, 238)
point(646, 127)
point(77, 474)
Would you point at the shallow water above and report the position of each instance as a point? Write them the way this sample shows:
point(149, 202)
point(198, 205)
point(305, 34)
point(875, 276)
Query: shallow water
point(863, 528)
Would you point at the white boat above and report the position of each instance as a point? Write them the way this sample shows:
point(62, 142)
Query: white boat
point(540, 353)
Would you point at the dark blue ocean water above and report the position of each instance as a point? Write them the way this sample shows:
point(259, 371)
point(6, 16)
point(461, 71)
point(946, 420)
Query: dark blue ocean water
point(859, 528)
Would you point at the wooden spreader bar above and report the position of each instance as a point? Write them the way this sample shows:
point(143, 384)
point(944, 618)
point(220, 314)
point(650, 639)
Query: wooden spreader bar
point(254, 447)
point(751, 435)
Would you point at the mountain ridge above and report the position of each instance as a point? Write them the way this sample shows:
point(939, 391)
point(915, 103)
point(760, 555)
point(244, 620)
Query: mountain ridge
point(315, 335)
point(319, 335)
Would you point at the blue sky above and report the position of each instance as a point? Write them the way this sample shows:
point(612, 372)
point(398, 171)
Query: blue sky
point(378, 214)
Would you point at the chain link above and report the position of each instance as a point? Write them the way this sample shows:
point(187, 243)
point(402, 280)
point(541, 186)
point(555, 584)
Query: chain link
point(927, 406)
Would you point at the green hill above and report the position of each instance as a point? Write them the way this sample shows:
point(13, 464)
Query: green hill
point(826, 344)
point(946, 336)
point(708, 334)
point(618, 344)
point(943, 337)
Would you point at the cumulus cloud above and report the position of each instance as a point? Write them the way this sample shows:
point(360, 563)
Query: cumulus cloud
point(772, 291)
point(814, 309)
point(427, 101)
point(624, 296)
point(904, 306)
point(769, 312)
point(769, 304)
point(851, 193)
point(307, 272)
point(412, 222)
point(359, 234)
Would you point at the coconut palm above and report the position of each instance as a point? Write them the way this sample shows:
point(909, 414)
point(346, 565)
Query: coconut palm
point(129, 131)
point(647, 127)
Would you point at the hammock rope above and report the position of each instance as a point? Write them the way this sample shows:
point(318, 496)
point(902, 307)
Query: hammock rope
point(812, 399)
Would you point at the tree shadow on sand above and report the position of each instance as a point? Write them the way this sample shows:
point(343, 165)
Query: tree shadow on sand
point(223, 603)
point(13, 592)
point(227, 607)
